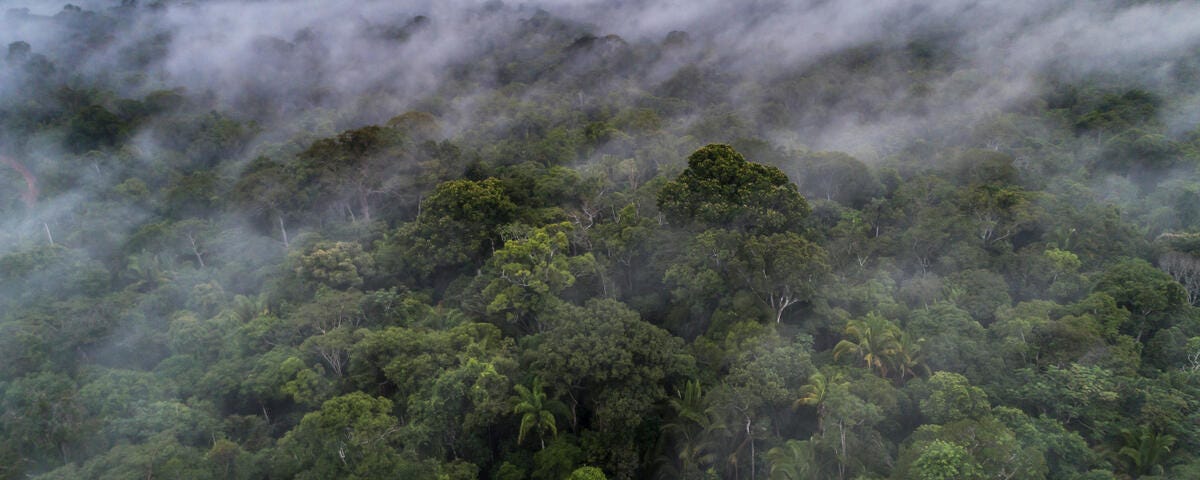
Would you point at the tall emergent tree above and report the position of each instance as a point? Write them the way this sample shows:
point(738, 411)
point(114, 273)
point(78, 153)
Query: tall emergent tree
point(719, 188)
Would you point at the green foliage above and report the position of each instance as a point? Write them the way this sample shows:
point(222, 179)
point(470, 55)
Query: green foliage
point(527, 276)
point(794, 460)
point(451, 383)
point(979, 292)
point(1142, 451)
point(547, 268)
point(839, 177)
point(42, 415)
point(721, 189)
point(1142, 289)
point(953, 341)
point(873, 339)
point(92, 128)
point(605, 360)
point(458, 226)
point(337, 265)
point(351, 436)
point(556, 461)
point(1118, 112)
point(983, 448)
point(1077, 394)
point(942, 460)
point(536, 411)
point(780, 270)
point(952, 398)
point(587, 473)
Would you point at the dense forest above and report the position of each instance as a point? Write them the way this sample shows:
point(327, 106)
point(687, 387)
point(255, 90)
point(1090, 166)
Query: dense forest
point(585, 240)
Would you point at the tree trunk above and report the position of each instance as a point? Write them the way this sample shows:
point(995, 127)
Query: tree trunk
point(196, 251)
point(286, 245)
point(364, 205)
point(750, 436)
point(842, 455)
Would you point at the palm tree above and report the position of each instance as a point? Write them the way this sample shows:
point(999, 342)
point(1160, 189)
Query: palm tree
point(908, 360)
point(146, 271)
point(815, 392)
point(689, 403)
point(536, 411)
point(874, 339)
point(687, 434)
point(794, 460)
point(245, 308)
point(1144, 450)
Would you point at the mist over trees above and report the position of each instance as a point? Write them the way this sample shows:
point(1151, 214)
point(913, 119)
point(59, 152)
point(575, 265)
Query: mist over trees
point(599, 240)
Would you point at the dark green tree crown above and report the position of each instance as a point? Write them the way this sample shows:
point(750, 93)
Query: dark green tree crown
point(720, 188)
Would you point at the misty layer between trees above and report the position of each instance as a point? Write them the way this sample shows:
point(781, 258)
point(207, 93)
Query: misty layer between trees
point(600, 240)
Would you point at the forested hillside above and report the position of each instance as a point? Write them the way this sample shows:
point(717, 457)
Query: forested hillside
point(585, 240)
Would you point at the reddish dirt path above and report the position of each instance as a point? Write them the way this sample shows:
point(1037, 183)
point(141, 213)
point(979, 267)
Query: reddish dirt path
point(31, 191)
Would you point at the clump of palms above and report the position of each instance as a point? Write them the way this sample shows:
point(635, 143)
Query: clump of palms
point(883, 347)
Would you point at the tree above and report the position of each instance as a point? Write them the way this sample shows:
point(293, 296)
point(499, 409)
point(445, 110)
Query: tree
point(351, 436)
point(952, 398)
point(794, 460)
point(528, 274)
point(1067, 453)
point(873, 339)
point(354, 167)
point(455, 408)
point(1145, 291)
point(1185, 269)
point(719, 188)
point(850, 438)
point(195, 235)
point(458, 226)
point(161, 456)
point(558, 460)
point(765, 375)
point(338, 265)
point(42, 417)
point(1141, 288)
point(780, 270)
point(952, 340)
point(626, 242)
point(1114, 113)
point(271, 193)
point(611, 368)
point(908, 360)
point(1143, 451)
point(1079, 396)
point(838, 177)
point(999, 211)
point(979, 292)
point(942, 460)
point(587, 473)
point(816, 392)
point(92, 128)
point(536, 411)
point(686, 435)
point(991, 450)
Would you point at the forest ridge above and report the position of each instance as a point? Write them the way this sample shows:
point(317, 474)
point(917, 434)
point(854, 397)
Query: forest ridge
point(587, 240)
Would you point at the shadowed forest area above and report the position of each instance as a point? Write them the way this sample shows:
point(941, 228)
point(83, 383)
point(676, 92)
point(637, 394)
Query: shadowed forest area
point(584, 240)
